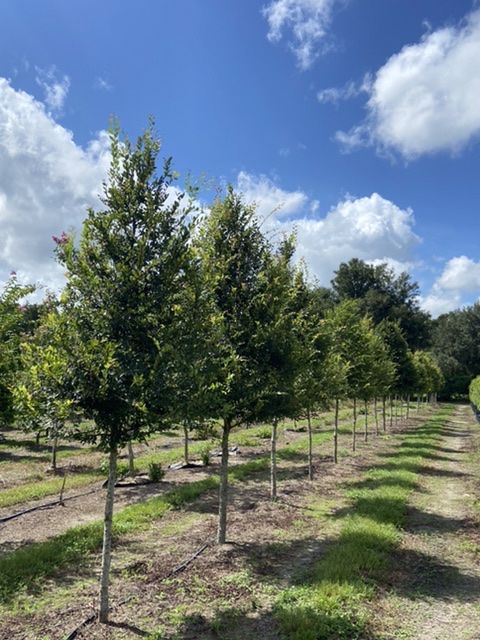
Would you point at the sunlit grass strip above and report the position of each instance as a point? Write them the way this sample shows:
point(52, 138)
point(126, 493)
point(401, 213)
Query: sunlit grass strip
point(331, 603)
point(43, 488)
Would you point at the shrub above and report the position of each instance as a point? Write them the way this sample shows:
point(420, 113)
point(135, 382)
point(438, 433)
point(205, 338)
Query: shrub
point(205, 455)
point(155, 471)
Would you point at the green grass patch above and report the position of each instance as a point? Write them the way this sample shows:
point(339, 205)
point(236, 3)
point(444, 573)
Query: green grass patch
point(41, 489)
point(331, 601)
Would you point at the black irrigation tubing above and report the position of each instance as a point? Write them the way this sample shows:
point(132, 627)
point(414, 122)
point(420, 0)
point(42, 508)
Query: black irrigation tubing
point(47, 505)
point(181, 567)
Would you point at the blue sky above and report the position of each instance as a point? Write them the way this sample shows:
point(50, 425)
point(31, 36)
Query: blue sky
point(357, 121)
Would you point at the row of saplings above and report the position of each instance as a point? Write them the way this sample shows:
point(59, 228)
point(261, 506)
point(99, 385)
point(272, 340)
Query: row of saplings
point(169, 314)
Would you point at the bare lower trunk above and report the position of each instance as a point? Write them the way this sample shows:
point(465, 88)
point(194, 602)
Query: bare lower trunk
point(365, 435)
point(354, 427)
point(396, 409)
point(376, 415)
point(107, 536)
point(418, 403)
point(384, 413)
point(185, 443)
point(391, 412)
point(408, 406)
point(131, 459)
point(310, 446)
point(37, 439)
point(223, 490)
point(335, 434)
point(273, 462)
point(54, 451)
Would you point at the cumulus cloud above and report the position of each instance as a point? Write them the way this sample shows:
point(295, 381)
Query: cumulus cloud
point(268, 197)
point(372, 228)
point(55, 89)
point(461, 274)
point(308, 23)
point(47, 182)
point(459, 280)
point(425, 99)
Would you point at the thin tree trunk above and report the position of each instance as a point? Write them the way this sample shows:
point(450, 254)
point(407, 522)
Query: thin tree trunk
point(273, 462)
point(223, 490)
point(384, 413)
point(418, 403)
point(335, 434)
point(131, 459)
point(376, 415)
point(365, 436)
point(37, 439)
point(54, 450)
point(408, 406)
point(185, 443)
point(391, 412)
point(310, 445)
point(396, 410)
point(354, 428)
point(107, 536)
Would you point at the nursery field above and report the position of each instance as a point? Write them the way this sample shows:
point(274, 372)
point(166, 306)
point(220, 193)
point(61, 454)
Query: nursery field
point(382, 545)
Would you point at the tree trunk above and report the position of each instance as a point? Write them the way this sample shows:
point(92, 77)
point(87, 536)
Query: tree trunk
point(131, 460)
point(418, 403)
point(384, 413)
point(376, 415)
point(396, 409)
point(223, 490)
point(365, 437)
point(37, 439)
point(408, 406)
point(391, 412)
point(107, 536)
point(310, 446)
point(273, 462)
point(335, 434)
point(54, 450)
point(354, 428)
point(185, 443)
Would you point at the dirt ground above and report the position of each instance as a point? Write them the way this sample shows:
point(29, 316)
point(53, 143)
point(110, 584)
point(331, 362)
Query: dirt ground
point(434, 585)
point(225, 592)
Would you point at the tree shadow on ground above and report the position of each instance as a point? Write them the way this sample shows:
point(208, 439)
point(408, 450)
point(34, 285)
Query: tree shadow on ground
point(418, 576)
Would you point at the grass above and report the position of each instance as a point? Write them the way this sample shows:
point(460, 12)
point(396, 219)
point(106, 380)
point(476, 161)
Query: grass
point(330, 603)
point(43, 488)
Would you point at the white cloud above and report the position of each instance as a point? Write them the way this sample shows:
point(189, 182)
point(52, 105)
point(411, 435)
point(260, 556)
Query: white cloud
point(425, 99)
point(349, 90)
point(307, 20)
point(46, 183)
point(459, 279)
point(372, 228)
point(461, 274)
point(269, 198)
point(103, 84)
point(55, 89)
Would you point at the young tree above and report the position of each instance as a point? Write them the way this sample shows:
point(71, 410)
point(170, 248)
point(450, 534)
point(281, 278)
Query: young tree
point(119, 307)
point(41, 394)
point(11, 325)
point(278, 354)
point(234, 256)
point(315, 366)
point(351, 332)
